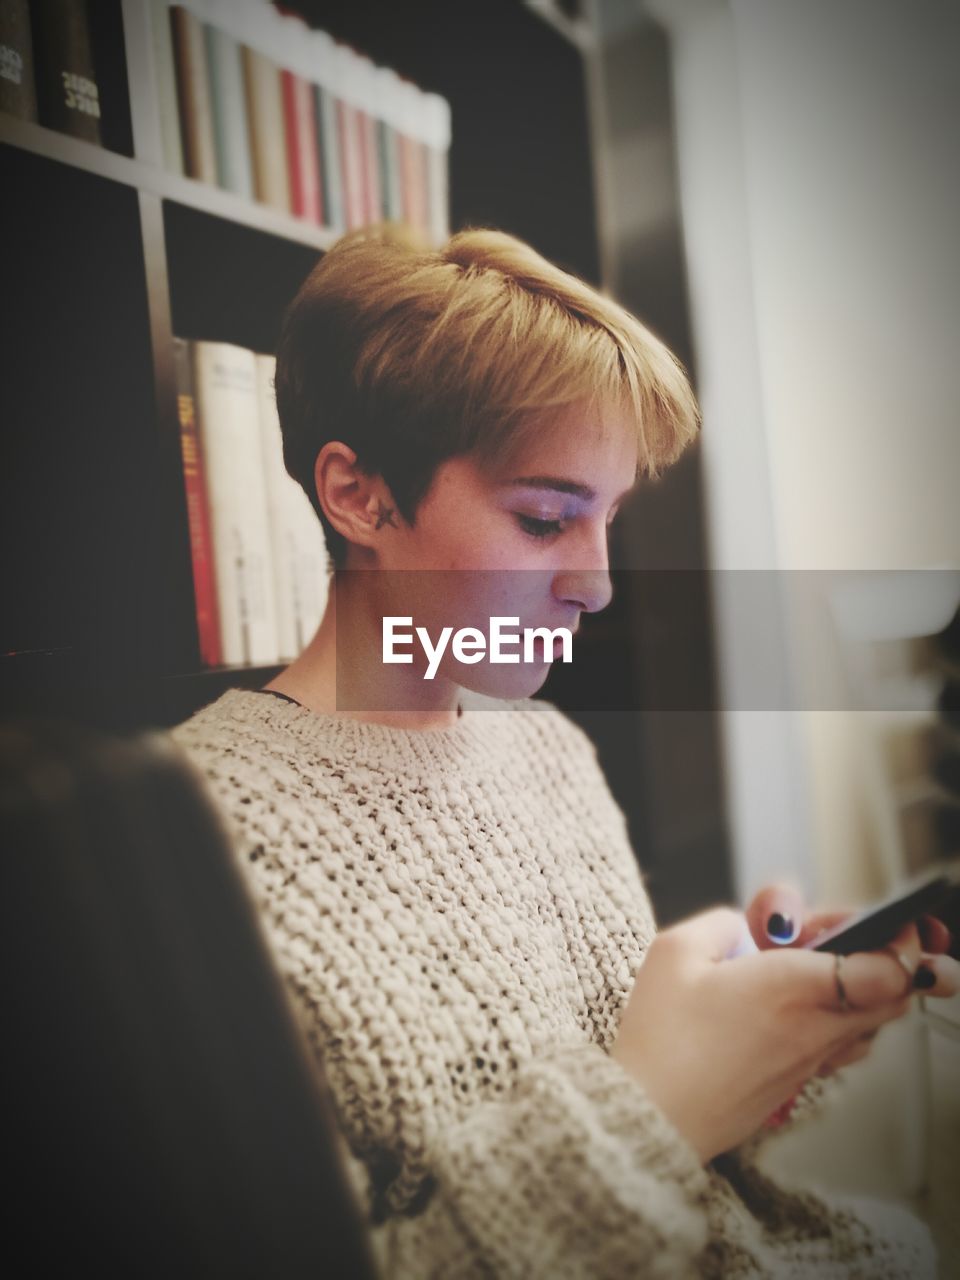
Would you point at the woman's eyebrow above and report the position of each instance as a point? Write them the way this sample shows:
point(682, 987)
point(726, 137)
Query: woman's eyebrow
point(556, 483)
point(559, 485)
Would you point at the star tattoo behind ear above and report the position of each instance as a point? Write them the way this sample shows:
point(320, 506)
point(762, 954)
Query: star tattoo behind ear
point(384, 515)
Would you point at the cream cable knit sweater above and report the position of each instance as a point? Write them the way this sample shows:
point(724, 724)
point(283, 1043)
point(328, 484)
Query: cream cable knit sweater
point(459, 915)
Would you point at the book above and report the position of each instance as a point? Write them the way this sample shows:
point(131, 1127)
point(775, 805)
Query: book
point(271, 180)
point(166, 74)
point(198, 512)
point(303, 160)
point(229, 109)
point(318, 130)
point(323, 58)
point(389, 149)
point(328, 155)
point(229, 423)
point(414, 166)
point(68, 95)
point(367, 89)
point(290, 38)
point(438, 149)
point(300, 562)
point(18, 95)
point(193, 95)
point(349, 130)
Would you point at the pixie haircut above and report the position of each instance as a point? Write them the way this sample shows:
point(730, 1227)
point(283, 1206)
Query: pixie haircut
point(412, 355)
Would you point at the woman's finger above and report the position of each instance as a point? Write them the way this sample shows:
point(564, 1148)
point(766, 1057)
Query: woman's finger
point(934, 935)
point(776, 916)
point(819, 922)
point(944, 979)
point(875, 978)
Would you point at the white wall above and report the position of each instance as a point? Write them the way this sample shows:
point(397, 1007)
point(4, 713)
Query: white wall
point(849, 116)
point(820, 188)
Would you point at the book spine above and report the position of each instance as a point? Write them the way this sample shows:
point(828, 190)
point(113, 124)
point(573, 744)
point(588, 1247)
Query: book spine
point(229, 108)
point(309, 154)
point(359, 119)
point(281, 533)
point(408, 197)
point(327, 135)
point(271, 178)
point(198, 512)
point(323, 165)
point(166, 85)
point(439, 196)
point(193, 95)
point(351, 165)
point(18, 95)
point(302, 156)
point(383, 161)
point(393, 199)
point(301, 563)
point(396, 174)
point(68, 96)
point(442, 140)
point(371, 156)
point(435, 112)
point(391, 115)
point(291, 132)
point(228, 414)
point(419, 185)
point(368, 88)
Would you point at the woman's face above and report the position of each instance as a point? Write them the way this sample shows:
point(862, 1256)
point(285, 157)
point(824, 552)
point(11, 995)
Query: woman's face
point(528, 543)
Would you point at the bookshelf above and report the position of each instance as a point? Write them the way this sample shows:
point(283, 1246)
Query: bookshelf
point(160, 183)
point(100, 624)
point(113, 255)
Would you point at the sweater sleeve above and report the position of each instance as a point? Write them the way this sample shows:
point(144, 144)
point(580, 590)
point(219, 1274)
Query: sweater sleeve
point(574, 1173)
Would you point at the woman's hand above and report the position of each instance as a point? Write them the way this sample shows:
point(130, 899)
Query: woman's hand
point(777, 918)
point(721, 1044)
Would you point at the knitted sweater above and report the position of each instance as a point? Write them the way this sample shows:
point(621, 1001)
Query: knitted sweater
point(460, 917)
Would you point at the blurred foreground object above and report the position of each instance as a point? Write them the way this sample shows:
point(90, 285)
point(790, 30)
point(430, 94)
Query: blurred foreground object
point(165, 1117)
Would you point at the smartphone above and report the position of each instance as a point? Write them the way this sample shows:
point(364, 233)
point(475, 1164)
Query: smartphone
point(875, 927)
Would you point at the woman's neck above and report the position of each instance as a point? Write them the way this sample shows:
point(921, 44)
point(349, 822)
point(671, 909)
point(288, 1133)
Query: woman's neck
point(341, 671)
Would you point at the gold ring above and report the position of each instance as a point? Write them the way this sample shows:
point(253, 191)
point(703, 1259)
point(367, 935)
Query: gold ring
point(842, 1000)
point(904, 964)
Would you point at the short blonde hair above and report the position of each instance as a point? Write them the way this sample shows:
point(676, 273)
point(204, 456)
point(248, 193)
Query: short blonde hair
point(412, 355)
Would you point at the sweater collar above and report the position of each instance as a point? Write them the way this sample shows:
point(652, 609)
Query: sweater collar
point(476, 739)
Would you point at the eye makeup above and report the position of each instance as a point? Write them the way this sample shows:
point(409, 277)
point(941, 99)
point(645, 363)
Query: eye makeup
point(538, 527)
point(545, 524)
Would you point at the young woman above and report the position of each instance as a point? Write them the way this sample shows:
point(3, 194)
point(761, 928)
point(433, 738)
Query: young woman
point(531, 1080)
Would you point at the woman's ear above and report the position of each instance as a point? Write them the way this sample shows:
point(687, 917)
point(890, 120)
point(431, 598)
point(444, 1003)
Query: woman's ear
point(356, 503)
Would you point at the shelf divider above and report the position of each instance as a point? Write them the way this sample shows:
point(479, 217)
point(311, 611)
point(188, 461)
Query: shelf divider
point(77, 154)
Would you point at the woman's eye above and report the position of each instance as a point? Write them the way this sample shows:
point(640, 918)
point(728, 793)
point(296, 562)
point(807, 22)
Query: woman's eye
point(539, 528)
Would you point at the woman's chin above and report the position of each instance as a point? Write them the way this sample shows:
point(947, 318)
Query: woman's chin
point(505, 681)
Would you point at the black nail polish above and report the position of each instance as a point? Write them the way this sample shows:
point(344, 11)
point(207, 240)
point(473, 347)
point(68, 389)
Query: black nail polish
point(924, 978)
point(780, 928)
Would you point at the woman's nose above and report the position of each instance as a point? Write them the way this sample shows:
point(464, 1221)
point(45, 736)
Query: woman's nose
point(589, 589)
point(585, 579)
